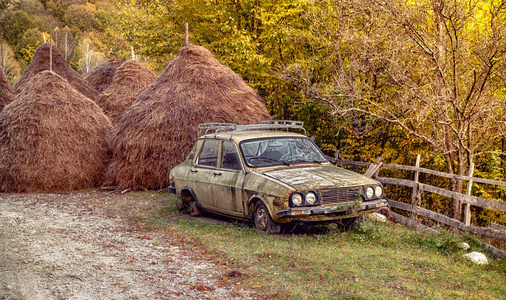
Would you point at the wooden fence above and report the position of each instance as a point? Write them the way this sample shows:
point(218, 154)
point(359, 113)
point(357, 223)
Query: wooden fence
point(495, 231)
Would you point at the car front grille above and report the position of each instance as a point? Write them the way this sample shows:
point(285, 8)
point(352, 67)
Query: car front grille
point(341, 195)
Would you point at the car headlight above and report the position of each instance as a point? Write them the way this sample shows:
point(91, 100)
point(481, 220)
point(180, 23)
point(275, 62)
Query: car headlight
point(369, 192)
point(311, 198)
point(378, 191)
point(297, 199)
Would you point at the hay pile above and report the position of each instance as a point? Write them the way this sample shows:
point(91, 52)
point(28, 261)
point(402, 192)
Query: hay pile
point(130, 78)
point(101, 76)
point(6, 93)
point(52, 138)
point(40, 62)
point(159, 129)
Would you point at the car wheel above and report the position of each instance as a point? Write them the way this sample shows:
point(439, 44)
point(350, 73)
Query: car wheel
point(194, 209)
point(263, 220)
point(350, 223)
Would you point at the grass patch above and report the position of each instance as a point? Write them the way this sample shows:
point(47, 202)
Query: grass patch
point(377, 261)
point(374, 261)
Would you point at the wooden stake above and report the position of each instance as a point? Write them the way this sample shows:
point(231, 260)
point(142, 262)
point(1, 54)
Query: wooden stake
point(2, 50)
point(185, 34)
point(50, 53)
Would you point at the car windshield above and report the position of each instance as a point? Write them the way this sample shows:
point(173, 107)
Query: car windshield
point(280, 151)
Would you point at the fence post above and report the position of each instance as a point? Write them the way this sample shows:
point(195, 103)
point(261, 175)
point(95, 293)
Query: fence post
point(415, 197)
point(467, 210)
point(374, 168)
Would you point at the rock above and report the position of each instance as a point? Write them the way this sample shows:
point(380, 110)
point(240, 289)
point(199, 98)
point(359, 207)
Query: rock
point(377, 217)
point(477, 257)
point(463, 246)
point(8, 288)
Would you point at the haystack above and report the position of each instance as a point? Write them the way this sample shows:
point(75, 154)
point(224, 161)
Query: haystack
point(6, 93)
point(52, 138)
point(130, 78)
point(101, 76)
point(160, 128)
point(40, 62)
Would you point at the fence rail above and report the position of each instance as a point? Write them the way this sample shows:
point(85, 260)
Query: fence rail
point(495, 231)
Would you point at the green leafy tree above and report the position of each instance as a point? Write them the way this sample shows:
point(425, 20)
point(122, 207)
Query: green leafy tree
point(27, 44)
point(16, 25)
point(248, 36)
point(81, 18)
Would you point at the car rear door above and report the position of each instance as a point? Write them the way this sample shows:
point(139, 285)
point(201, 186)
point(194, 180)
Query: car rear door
point(227, 181)
point(201, 175)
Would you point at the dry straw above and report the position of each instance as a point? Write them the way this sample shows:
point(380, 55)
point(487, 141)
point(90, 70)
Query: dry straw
point(52, 138)
point(6, 93)
point(159, 129)
point(101, 76)
point(130, 78)
point(40, 62)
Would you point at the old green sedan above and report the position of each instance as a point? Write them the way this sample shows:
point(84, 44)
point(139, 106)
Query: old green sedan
point(273, 175)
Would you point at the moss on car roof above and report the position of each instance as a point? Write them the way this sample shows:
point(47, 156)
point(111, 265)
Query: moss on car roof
point(240, 135)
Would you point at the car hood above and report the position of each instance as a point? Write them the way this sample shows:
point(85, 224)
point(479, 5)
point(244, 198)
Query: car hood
point(319, 177)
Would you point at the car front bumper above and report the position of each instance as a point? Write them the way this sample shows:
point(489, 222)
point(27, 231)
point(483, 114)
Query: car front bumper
point(336, 211)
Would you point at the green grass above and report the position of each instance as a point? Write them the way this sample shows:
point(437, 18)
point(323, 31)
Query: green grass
point(375, 261)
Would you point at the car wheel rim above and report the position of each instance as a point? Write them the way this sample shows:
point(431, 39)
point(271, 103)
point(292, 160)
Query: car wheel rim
point(262, 219)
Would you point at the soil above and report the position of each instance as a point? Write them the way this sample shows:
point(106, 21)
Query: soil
point(58, 246)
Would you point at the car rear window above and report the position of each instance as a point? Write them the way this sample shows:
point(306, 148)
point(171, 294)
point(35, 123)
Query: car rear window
point(209, 154)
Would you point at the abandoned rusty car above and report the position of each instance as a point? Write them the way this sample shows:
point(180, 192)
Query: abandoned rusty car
point(272, 175)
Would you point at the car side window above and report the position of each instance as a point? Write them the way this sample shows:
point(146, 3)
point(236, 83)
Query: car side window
point(209, 154)
point(230, 158)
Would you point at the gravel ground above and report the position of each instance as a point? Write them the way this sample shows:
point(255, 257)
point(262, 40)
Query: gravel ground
point(54, 247)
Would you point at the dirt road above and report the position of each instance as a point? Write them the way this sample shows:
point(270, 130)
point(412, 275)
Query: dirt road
point(54, 247)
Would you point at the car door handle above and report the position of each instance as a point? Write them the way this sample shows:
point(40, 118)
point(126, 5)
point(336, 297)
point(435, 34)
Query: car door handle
point(217, 173)
point(193, 170)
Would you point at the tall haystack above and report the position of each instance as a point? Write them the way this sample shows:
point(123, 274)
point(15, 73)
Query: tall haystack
point(130, 78)
point(6, 93)
point(52, 138)
point(160, 128)
point(40, 62)
point(101, 76)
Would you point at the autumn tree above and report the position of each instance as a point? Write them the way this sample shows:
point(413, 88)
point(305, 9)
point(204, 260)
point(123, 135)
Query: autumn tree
point(65, 42)
point(89, 57)
point(432, 68)
point(455, 103)
point(10, 66)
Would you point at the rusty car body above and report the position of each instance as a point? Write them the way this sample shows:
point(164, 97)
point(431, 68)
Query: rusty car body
point(272, 175)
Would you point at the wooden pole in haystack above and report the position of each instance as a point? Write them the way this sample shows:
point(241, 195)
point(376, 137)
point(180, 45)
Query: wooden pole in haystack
point(50, 53)
point(2, 49)
point(186, 34)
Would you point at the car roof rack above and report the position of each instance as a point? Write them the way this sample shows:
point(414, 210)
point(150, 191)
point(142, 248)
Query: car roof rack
point(263, 125)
